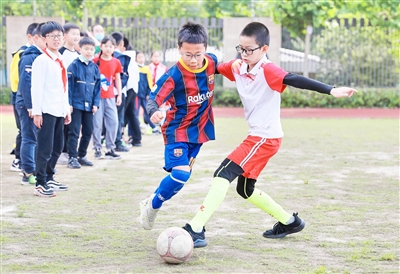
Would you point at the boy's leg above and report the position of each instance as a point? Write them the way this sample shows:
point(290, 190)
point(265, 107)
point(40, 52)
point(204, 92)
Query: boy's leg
point(120, 112)
point(73, 133)
point(57, 148)
point(44, 148)
point(134, 125)
point(18, 139)
point(87, 129)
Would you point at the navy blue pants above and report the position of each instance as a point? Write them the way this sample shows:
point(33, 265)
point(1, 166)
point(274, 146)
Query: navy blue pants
point(84, 119)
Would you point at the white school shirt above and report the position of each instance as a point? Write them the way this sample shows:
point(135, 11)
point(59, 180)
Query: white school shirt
point(133, 71)
point(69, 56)
point(47, 87)
point(260, 91)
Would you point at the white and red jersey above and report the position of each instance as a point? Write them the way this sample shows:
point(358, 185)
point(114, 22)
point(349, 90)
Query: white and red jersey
point(260, 91)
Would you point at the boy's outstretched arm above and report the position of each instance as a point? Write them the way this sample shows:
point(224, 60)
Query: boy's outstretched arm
point(302, 82)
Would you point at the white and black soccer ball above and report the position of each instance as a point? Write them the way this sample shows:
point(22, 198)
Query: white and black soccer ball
point(175, 245)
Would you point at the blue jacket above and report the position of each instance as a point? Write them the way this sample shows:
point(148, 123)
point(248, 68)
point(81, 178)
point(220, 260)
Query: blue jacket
point(25, 74)
point(83, 85)
point(125, 60)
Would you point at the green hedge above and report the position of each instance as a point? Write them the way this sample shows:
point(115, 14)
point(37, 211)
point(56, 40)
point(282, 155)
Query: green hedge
point(5, 96)
point(296, 98)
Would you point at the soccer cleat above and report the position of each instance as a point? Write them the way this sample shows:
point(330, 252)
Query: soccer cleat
point(16, 165)
point(44, 191)
point(147, 213)
point(98, 154)
point(56, 185)
point(122, 148)
point(84, 161)
point(73, 163)
point(28, 179)
point(280, 230)
point(111, 155)
point(199, 239)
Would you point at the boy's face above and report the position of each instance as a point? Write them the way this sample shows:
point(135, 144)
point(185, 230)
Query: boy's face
point(54, 40)
point(254, 51)
point(87, 51)
point(140, 59)
point(192, 55)
point(72, 37)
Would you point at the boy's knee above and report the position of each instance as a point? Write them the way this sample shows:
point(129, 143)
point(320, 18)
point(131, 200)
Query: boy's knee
point(245, 186)
point(181, 176)
point(228, 170)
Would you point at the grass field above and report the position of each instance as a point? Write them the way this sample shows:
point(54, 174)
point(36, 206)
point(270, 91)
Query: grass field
point(341, 175)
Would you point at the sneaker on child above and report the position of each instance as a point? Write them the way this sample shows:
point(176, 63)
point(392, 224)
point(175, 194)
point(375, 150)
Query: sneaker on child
point(280, 230)
point(56, 185)
point(98, 154)
point(73, 163)
point(147, 213)
point(111, 155)
point(121, 148)
point(84, 161)
point(44, 191)
point(199, 238)
point(16, 165)
point(28, 179)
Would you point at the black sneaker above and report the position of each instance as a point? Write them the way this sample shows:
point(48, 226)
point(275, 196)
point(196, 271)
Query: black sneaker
point(111, 155)
point(73, 163)
point(84, 161)
point(199, 239)
point(121, 148)
point(44, 191)
point(280, 230)
point(54, 185)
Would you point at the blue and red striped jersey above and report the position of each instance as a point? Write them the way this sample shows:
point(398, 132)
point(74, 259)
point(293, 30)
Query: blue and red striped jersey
point(190, 94)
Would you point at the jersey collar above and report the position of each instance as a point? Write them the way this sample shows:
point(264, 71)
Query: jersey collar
point(195, 70)
point(243, 68)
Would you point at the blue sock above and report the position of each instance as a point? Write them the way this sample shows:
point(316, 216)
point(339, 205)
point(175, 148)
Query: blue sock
point(169, 186)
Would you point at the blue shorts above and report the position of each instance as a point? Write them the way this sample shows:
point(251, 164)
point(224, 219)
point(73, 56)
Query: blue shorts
point(180, 154)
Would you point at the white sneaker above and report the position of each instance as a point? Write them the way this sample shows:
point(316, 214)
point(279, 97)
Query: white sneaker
point(63, 159)
point(147, 213)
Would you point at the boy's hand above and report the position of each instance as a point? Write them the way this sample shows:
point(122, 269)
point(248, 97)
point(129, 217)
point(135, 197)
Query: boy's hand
point(94, 109)
point(157, 117)
point(119, 100)
point(38, 120)
point(343, 92)
point(67, 119)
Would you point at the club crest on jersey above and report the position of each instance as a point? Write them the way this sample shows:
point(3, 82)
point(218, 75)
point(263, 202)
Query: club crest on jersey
point(178, 152)
point(211, 79)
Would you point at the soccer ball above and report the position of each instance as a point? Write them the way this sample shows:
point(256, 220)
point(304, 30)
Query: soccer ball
point(175, 245)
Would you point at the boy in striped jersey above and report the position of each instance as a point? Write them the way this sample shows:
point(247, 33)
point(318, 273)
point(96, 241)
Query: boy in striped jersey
point(188, 87)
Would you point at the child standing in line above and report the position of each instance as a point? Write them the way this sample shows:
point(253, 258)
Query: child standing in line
point(145, 86)
point(69, 53)
point(189, 87)
point(260, 84)
point(110, 70)
point(50, 108)
point(84, 98)
point(157, 69)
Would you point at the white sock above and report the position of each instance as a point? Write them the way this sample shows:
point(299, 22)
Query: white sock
point(291, 220)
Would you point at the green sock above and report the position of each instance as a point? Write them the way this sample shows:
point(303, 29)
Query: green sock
point(263, 201)
point(214, 198)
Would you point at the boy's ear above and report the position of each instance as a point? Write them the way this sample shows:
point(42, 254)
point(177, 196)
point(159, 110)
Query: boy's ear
point(265, 48)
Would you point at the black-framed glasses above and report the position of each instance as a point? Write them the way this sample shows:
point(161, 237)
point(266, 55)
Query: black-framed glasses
point(189, 56)
point(247, 51)
point(54, 37)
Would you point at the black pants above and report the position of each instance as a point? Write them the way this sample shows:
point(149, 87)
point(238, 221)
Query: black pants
point(131, 117)
point(18, 139)
point(121, 114)
point(84, 119)
point(50, 142)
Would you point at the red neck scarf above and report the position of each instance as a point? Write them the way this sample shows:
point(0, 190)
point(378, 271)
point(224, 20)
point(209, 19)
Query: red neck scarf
point(63, 71)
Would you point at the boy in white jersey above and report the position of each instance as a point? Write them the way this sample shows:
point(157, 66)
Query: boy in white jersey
point(259, 83)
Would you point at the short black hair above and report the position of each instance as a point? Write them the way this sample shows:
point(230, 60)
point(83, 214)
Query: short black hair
point(31, 28)
point(70, 26)
point(51, 26)
point(83, 34)
point(38, 30)
point(257, 30)
point(86, 41)
point(118, 37)
point(192, 33)
point(126, 42)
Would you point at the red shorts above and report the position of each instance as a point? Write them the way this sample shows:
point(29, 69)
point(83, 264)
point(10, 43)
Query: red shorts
point(253, 154)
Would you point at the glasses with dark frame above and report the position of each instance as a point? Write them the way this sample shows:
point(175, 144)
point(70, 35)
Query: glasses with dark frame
point(52, 36)
point(247, 51)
